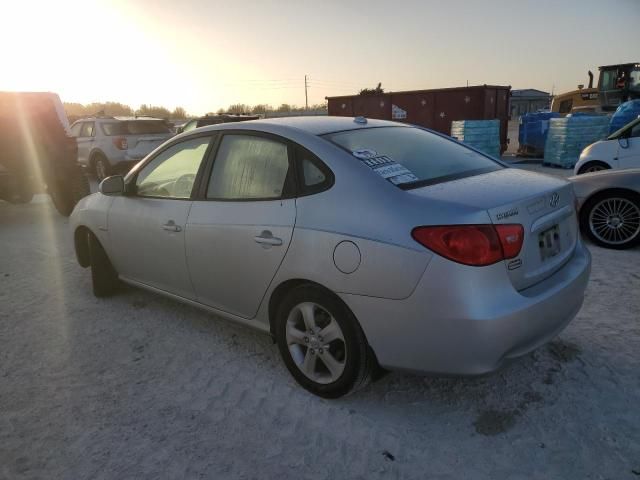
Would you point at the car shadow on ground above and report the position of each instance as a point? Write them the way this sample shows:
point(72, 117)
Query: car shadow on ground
point(496, 401)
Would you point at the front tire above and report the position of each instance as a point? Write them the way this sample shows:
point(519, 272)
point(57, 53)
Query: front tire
point(321, 343)
point(595, 166)
point(103, 276)
point(612, 219)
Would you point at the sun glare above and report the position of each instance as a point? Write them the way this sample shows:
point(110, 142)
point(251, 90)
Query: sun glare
point(84, 51)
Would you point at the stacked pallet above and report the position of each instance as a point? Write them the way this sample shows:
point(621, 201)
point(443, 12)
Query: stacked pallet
point(483, 135)
point(568, 136)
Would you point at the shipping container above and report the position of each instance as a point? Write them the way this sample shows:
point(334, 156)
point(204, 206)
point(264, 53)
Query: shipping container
point(434, 109)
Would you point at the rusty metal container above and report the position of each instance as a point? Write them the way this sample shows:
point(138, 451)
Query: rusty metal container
point(434, 109)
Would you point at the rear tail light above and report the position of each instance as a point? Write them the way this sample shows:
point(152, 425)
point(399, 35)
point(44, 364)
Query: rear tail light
point(121, 143)
point(475, 245)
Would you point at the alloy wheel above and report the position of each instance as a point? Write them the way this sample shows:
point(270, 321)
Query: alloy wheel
point(316, 342)
point(615, 220)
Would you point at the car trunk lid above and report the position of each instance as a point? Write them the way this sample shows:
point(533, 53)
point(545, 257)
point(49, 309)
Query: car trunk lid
point(542, 204)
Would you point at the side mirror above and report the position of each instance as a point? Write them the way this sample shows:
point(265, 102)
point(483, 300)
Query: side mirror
point(623, 142)
point(113, 185)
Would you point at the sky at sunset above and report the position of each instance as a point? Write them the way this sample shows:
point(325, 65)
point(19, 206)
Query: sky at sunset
point(204, 55)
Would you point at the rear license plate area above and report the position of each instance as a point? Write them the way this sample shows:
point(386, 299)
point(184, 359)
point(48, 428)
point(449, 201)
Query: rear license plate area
point(549, 242)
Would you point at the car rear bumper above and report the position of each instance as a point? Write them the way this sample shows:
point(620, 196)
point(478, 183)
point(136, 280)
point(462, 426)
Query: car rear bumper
point(468, 321)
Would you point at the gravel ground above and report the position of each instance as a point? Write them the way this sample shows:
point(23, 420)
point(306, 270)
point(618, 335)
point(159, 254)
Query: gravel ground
point(138, 386)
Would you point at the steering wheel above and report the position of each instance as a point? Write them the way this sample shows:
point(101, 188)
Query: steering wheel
point(183, 185)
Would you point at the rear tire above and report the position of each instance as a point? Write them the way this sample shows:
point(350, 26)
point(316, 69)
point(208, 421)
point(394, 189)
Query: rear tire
point(612, 219)
point(595, 166)
point(330, 367)
point(103, 276)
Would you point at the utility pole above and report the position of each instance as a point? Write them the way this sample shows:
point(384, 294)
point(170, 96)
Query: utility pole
point(306, 97)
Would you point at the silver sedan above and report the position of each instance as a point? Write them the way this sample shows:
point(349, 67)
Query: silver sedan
point(355, 243)
point(609, 203)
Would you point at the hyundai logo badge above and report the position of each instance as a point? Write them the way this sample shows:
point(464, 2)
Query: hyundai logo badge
point(553, 201)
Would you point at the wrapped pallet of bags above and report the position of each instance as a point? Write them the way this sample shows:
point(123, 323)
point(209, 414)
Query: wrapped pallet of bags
point(568, 136)
point(532, 133)
point(483, 135)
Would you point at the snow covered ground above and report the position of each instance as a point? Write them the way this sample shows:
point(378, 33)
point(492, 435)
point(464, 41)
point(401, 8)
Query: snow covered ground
point(138, 386)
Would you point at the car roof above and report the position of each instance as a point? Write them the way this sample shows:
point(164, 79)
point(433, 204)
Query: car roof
point(314, 125)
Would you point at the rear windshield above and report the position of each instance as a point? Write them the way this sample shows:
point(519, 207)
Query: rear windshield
point(135, 127)
point(411, 157)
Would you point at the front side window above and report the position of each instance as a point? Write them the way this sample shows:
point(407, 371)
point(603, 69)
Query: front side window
point(88, 129)
point(172, 173)
point(249, 167)
point(411, 157)
point(635, 131)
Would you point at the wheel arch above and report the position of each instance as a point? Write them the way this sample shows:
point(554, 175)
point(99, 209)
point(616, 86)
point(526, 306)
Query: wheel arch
point(610, 191)
point(96, 152)
point(585, 165)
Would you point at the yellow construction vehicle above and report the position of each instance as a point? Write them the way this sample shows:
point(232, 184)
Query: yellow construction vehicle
point(616, 84)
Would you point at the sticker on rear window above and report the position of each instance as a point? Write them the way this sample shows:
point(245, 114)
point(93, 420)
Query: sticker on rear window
point(384, 166)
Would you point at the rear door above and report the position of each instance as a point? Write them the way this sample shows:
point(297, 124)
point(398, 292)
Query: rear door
point(147, 229)
point(240, 227)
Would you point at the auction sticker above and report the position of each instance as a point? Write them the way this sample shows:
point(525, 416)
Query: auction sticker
point(385, 166)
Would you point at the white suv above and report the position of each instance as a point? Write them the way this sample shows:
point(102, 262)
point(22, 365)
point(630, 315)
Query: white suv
point(109, 145)
point(621, 150)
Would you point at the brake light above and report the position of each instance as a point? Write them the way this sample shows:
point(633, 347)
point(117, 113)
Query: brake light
point(511, 238)
point(121, 143)
point(475, 245)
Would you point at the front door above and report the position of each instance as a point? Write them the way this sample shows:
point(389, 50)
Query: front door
point(630, 157)
point(239, 232)
point(147, 228)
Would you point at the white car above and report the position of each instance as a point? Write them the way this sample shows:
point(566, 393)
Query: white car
point(621, 150)
point(108, 145)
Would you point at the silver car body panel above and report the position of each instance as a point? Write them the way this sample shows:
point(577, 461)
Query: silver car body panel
point(588, 184)
point(355, 240)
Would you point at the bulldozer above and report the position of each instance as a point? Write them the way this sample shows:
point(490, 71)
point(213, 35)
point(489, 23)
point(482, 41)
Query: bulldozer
point(37, 151)
point(616, 85)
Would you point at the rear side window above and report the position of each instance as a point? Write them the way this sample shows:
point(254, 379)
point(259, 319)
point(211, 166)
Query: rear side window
point(249, 167)
point(313, 175)
point(75, 129)
point(411, 157)
point(135, 127)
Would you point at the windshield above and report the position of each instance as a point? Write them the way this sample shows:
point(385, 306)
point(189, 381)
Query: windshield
point(411, 157)
point(135, 127)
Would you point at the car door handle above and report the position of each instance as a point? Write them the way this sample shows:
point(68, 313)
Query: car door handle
point(267, 238)
point(171, 226)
